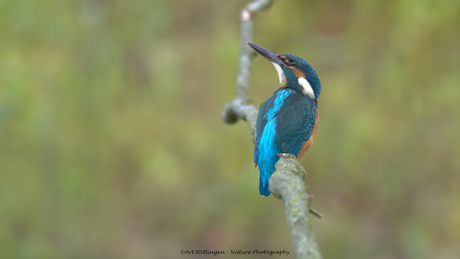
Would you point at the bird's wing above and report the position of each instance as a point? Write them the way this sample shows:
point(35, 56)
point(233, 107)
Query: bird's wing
point(261, 122)
point(295, 123)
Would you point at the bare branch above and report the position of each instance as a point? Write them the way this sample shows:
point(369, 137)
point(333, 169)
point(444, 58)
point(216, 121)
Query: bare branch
point(234, 110)
point(237, 109)
point(286, 183)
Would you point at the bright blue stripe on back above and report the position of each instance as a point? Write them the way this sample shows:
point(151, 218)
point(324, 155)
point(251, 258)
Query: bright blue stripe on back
point(268, 156)
point(282, 95)
point(268, 151)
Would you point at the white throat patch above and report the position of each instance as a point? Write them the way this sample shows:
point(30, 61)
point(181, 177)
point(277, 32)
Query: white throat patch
point(281, 75)
point(306, 87)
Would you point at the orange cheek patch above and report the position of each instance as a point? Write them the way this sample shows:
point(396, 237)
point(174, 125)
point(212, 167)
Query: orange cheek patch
point(297, 72)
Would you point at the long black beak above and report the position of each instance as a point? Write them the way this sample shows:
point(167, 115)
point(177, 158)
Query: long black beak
point(272, 57)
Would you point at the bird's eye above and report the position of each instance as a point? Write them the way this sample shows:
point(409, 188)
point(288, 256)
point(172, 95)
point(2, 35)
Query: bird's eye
point(292, 63)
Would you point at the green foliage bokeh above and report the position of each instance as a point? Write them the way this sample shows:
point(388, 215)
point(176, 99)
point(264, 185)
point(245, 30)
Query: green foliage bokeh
point(112, 146)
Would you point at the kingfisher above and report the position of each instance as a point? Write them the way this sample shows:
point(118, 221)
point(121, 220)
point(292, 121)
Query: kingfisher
point(287, 121)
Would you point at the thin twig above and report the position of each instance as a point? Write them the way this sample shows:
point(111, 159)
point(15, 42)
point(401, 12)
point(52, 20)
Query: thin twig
point(316, 213)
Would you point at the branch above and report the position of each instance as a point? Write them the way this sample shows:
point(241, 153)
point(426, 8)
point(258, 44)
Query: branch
point(240, 108)
point(287, 182)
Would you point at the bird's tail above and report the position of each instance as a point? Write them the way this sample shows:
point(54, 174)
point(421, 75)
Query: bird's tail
point(263, 186)
point(267, 168)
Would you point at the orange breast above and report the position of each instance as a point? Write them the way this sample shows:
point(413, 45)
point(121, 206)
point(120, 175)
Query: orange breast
point(307, 145)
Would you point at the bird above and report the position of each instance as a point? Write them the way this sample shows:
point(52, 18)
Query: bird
point(287, 122)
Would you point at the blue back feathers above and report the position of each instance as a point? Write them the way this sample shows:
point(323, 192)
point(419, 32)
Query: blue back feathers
point(285, 121)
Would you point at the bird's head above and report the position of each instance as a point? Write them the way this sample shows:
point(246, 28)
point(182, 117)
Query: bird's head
point(293, 71)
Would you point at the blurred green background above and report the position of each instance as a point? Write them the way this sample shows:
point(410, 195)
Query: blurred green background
point(112, 144)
